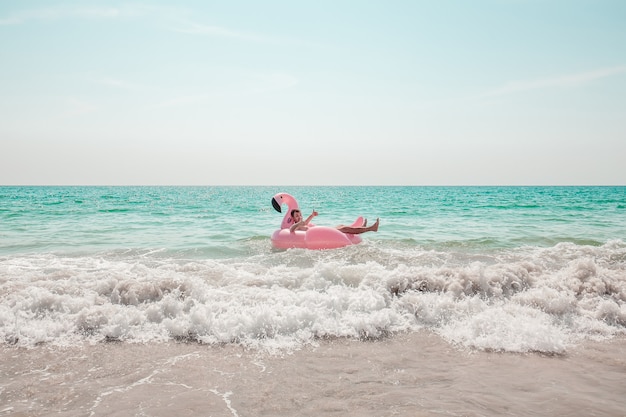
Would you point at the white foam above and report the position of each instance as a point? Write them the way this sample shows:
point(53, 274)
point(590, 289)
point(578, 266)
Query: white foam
point(528, 299)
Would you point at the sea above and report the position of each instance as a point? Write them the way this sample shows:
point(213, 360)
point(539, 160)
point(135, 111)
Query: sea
point(467, 301)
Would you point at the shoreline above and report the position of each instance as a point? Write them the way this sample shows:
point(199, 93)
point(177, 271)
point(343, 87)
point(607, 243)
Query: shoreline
point(415, 374)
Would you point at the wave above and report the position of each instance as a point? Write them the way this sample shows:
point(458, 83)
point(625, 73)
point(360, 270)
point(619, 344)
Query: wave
point(515, 300)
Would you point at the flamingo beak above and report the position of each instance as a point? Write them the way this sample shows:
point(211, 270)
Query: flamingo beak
point(276, 205)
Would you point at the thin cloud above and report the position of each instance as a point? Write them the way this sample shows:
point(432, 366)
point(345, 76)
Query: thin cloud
point(172, 19)
point(198, 29)
point(246, 85)
point(182, 101)
point(569, 80)
point(193, 28)
point(47, 14)
point(123, 84)
point(93, 12)
point(515, 87)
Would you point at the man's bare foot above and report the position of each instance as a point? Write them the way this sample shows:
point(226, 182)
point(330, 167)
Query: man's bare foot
point(365, 223)
point(375, 225)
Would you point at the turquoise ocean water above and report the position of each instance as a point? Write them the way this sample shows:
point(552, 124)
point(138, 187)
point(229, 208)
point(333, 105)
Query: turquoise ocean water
point(503, 268)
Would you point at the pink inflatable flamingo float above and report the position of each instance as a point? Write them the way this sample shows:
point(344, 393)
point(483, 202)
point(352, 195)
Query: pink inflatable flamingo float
point(316, 237)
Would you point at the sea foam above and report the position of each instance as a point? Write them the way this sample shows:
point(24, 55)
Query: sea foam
point(517, 300)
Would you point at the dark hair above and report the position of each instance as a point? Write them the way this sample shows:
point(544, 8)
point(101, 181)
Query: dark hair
point(293, 211)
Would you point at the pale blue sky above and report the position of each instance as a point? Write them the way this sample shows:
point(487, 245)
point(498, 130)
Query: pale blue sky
point(483, 92)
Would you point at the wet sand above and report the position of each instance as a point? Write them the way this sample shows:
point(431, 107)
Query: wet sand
point(407, 375)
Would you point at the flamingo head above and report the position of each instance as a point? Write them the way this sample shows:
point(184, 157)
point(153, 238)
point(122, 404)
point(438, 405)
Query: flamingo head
point(283, 198)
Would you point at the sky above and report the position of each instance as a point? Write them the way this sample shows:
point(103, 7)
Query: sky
point(484, 92)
